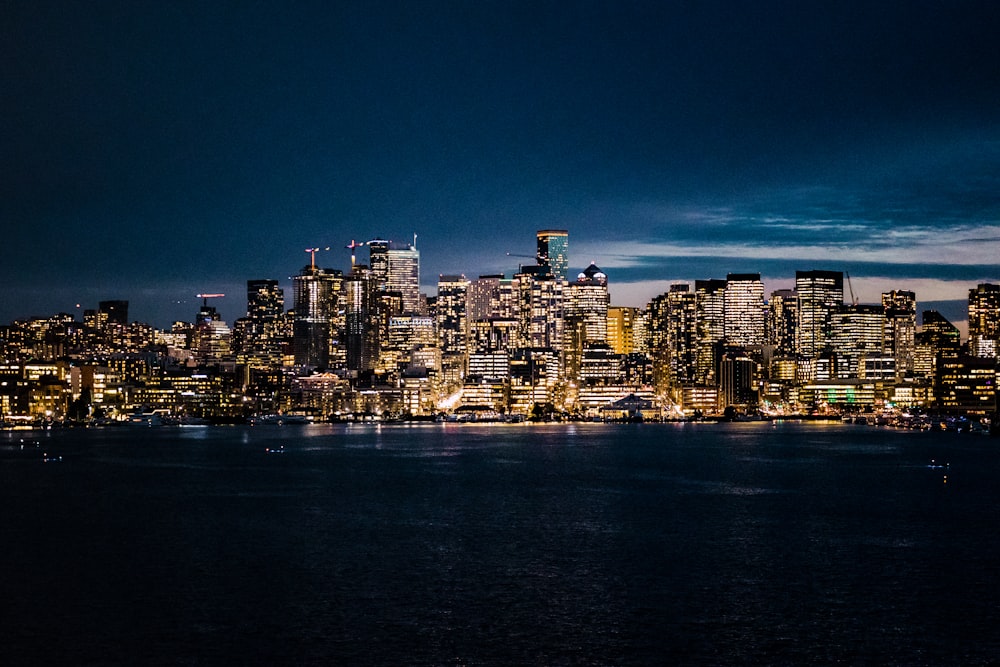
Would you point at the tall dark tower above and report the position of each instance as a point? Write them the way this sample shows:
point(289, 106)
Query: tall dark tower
point(114, 311)
point(552, 255)
point(316, 291)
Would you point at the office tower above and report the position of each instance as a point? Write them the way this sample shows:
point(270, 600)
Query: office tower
point(744, 310)
point(900, 328)
point(211, 338)
point(360, 296)
point(586, 316)
point(115, 312)
point(542, 304)
point(378, 262)
point(782, 316)
point(710, 310)
point(404, 276)
point(483, 298)
point(259, 337)
point(552, 254)
point(587, 302)
point(621, 328)
point(984, 320)
point(315, 292)
point(395, 267)
point(452, 318)
point(681, 334)
point(738, 380)
point(856, 333)
point(819, 293)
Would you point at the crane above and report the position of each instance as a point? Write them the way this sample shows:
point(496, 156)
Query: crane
point(854, 300)
point(312, 252)
point(351, 246)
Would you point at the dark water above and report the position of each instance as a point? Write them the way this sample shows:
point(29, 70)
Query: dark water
point(501, 545)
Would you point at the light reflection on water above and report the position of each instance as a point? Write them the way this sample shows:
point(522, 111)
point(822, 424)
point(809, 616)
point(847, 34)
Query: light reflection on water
point(507, 544)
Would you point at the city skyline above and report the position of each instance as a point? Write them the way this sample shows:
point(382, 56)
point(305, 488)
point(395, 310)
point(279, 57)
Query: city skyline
point(154, 153)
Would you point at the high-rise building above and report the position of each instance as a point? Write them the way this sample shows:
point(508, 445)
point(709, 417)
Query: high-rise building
point(211, 338)
point(395, 267)
point(360, 295)
point(259, 337)
point(984, 320)
point(452, 320)
point(744, 309)
point(621, 328)
point(856, 333)
point(819, 294)
point(115, 311)
point(483, 298)
point(710, 322)
point(681, 338)
point(316, 296)
point(782, 316)
point(587, 302)
point(552, 254)
point(586, 316)
point(900, 328)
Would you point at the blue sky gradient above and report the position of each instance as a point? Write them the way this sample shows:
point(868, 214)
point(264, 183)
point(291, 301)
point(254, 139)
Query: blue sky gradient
point(156, 150)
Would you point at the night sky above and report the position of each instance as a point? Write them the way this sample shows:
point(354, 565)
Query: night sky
point(154, 150)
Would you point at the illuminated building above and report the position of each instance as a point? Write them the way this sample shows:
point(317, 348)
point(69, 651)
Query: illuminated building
point(316, 292)
point(744, 314)
point(395, 267)
point(710, 327)
point(211, 337)
point(585, 316)
point(494, 335)
point(984, 320)
point(782, 316)
point(552, 254)
point(483, 298)
point(681, 334)
point(900, 328)
point(259, 337)
point(534, 374)
point(966, 384)
point(819, 293)
point(938, 339)
point(856, 332)
point(587, 302)
point(621, 329)
point(738, 380)
point(451, 314)
point(361, 318)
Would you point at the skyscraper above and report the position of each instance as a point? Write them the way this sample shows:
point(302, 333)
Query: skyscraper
point(361, 319)
point(744, 309)
point(316, 294)
point(782, 321)
point(900, 328)
point(116, 311)
point(395, 267)
point(819, 293)
point(259, 336)
point(452, 321)
point(710, 311)
point(552, 254)
point(984, 320)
